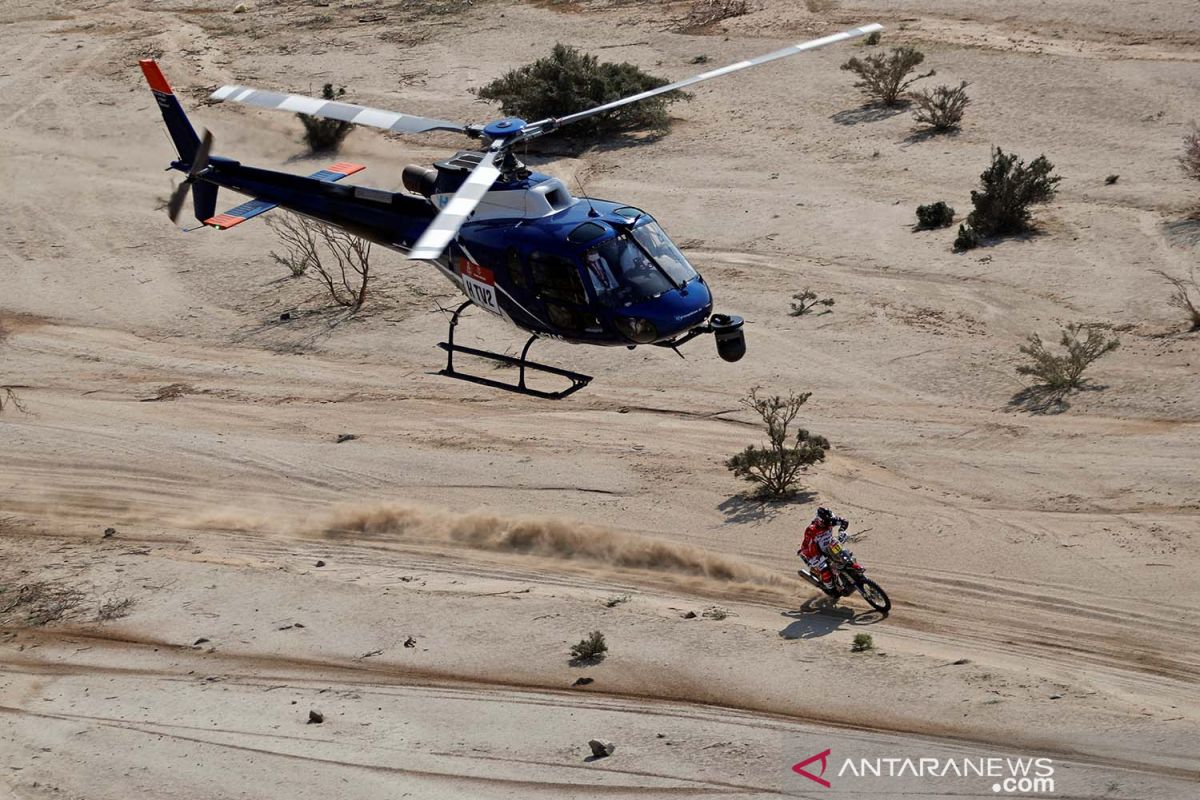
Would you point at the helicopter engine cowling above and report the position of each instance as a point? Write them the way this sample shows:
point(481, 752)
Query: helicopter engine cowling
point(731, 340)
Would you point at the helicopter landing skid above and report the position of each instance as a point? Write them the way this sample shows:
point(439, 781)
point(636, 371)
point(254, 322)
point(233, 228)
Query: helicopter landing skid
point(578, 380)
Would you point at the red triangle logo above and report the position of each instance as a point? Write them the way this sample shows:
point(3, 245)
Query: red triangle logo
point(823, 757)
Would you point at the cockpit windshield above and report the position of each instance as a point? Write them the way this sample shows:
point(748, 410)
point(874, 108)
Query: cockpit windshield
point(637, 266)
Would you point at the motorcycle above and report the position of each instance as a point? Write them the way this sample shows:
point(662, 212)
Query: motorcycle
point(848, 575)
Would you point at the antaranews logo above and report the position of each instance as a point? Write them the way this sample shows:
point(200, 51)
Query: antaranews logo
point(1008, 775)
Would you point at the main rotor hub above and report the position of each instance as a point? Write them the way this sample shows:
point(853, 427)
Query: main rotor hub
point(502, 129)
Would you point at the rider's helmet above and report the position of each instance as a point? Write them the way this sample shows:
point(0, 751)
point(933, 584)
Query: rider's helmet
point(825, 516)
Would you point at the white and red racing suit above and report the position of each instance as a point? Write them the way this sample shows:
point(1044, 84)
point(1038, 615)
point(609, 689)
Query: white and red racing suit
point(818, 537)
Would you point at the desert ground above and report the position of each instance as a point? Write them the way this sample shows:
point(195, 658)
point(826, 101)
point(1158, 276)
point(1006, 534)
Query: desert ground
point(420, 585)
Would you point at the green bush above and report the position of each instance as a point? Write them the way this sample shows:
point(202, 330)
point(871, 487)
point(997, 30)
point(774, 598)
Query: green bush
point(1010, 187)
point(1062, 373)
point(592, 648)
point(872, 39)
point(934, 215)
point(967, 238)
point(776, 467)
point(568, 81)
point(862, 643)
point(885, 77)
point(325, 135)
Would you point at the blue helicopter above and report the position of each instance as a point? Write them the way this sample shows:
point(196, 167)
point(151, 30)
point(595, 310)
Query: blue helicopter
point(515, 242)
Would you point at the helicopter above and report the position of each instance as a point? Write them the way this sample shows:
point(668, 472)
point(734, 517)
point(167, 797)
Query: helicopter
point(516, 242)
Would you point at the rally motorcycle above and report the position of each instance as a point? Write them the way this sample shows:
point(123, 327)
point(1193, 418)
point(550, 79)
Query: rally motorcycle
point(848, 575)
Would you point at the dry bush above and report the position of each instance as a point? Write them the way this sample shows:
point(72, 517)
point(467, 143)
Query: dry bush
point(941, 108)
point(1181, 298)
point(885, 76)
point(804, 301)
point(1010, 187)
point(776, 467)
point(338, 260)
point(1190, 160)
point(592, 648)
point(709, 12)
point(325, 135)
point(115, 608)
point(1063, 373)
point(38, 603)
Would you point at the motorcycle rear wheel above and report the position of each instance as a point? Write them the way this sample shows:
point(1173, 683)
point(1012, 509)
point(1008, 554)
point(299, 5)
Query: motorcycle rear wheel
point(875, 596)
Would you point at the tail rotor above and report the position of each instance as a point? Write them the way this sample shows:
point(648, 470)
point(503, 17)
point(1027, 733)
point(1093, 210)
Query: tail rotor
point(199, 166)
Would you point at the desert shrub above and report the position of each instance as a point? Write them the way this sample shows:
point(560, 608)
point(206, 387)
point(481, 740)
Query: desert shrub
point(967, 238)
point(338, 260)
point(862, 643)
point(616, 600)
point(115, 608)
point(1181, 298)
point(804, 301)
point(885, 76)
point(941, 108)
point(704, 13)
point(872, 39)
point(934, 215)
point(569, 80)
point(38, 603)
point(1190, 160)
point(325, 135)
point(818, 6)
point(776, 468)
point(591, 648)
point(1010, 187)
point(1064, 372)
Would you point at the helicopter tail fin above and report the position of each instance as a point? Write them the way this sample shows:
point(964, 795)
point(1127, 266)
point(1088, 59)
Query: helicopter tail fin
point(178, 126)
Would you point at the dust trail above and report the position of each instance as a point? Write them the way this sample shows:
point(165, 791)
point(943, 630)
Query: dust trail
point(549, 537)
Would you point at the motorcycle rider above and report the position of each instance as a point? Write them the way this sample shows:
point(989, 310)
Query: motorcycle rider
point(818, 536)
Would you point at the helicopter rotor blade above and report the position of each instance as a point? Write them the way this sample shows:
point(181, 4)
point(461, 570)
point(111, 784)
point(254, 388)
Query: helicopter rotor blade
point(335, 109)
point(200, 161)
point(716, 73)
point(177, 197)
point(446, 224)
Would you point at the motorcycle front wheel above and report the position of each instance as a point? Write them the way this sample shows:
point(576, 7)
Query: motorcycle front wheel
point(875, 596)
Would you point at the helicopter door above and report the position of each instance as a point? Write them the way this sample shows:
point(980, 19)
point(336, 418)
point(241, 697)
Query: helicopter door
point(557, 285)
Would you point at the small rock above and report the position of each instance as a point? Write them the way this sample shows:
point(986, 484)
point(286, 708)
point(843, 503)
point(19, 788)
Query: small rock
point(320, 563)
point(601, 748)
point(583, 681)
point(199, 641)
point(1111, 179)
point(240, 8)
point(298, 625)
point(346, 437)
point(410, 642)
point(1056, 697)
point(315, 717)
point(960, 662)
point(285, 316)
point(690, 615)
point(660, 735)
point(109, 532)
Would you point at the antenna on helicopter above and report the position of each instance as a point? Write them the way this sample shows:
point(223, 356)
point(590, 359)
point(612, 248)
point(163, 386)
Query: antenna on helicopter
point(592, 212)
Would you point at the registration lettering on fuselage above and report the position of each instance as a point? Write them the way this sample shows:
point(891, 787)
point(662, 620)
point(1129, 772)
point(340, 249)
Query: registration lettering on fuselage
point(480, 285)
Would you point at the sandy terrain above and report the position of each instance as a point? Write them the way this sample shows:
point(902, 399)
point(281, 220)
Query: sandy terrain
point(1042, 566)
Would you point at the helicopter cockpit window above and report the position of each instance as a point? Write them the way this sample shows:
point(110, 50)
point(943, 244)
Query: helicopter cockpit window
point(622, 274)
point(629, 212)
point(664, 251)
